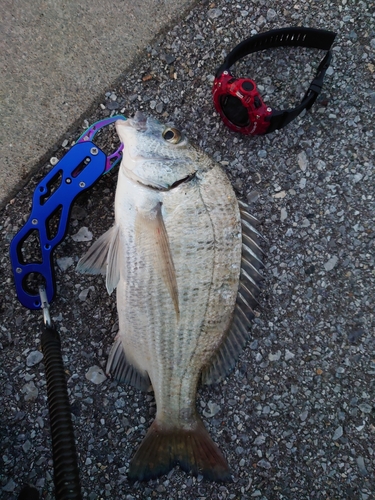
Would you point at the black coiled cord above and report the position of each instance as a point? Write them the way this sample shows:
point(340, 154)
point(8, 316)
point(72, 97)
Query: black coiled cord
point(66, 475)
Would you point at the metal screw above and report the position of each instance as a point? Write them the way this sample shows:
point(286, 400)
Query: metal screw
point(82, 184)
point(94, 151)
point(269, 110)
point(34, 222)
point(18, 270)
point(225, 72)
point(68, 180)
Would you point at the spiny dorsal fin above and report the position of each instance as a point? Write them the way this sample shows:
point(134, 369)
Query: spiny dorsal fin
point(120, 369)
point(226, 357)
point(153, 222)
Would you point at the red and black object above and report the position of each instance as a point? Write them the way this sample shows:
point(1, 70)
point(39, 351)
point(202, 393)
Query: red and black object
point(238, 101)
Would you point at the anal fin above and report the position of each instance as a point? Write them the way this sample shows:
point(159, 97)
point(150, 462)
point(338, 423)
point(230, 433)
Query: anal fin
point(123, 371)
point(193, 450)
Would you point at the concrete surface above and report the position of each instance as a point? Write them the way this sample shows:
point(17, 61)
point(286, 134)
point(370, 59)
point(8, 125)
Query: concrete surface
point(57, 57)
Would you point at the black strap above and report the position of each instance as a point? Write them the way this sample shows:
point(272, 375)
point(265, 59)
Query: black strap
point(294, 37)
point(283, 37)
point(281, 118)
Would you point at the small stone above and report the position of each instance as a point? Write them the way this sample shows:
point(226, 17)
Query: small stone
point(53, 160)
point(365, 408)
point(331, 263)
point(357, 178)
point(169, 58)
point(213, 410)
point(83, 235)
point(271, 15)
point(214, 13)
point(262, 153)
point(260, 439)
point(95, 375)
point(64, 263)
point(288, 355)
point(254, 345)
point(283, 214)
point(65, 143)
point(253, 196)
point(302, 183)
point(304, 415)
point(338, 433)
point(10, 486)
point(264, 464)
point(302, 161)
point(305, 223)
point(84, 294)
point(40, 422)
point(274, 357)
point(159, 107)
point(34, 358)
point(30, 391)
point(113, 105)
point(280, 195)
point(361, 466)
point(26, 446)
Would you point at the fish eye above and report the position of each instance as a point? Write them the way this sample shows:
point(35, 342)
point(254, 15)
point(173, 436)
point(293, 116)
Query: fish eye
point(172, 135)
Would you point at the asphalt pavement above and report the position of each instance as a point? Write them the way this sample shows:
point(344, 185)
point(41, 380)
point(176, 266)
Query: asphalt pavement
point(296, 417)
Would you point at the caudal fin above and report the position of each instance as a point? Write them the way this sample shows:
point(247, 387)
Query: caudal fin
point(193, 450)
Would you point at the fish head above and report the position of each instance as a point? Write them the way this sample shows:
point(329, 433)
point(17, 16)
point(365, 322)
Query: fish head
point(155, 155)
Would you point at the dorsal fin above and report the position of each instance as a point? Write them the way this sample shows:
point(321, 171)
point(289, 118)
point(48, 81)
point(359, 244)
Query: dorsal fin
point(226, 356)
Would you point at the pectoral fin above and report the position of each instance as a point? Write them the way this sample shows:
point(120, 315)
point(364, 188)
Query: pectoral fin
point(103, 257)
point(153, 223)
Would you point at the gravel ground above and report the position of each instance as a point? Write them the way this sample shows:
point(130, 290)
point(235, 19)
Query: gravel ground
point(296, 418)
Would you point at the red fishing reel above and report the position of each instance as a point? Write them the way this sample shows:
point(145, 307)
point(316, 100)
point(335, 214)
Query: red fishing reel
point(238, 101)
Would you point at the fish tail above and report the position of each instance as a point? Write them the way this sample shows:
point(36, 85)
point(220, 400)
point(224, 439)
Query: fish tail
point(193, 450)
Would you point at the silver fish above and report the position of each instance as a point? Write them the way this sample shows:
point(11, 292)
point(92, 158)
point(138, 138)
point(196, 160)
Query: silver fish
point(184, 257)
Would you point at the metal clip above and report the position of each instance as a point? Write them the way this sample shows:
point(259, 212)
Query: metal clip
point(45, 306)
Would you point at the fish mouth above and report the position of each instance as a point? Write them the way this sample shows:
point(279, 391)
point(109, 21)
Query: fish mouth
point(139, 121)
point(157, 186)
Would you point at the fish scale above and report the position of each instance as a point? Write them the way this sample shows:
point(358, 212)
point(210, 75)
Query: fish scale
point(185, 261)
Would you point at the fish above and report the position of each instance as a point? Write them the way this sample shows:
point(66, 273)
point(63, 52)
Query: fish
point(185, 260)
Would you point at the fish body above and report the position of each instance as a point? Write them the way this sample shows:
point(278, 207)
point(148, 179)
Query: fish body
point(175, 255)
